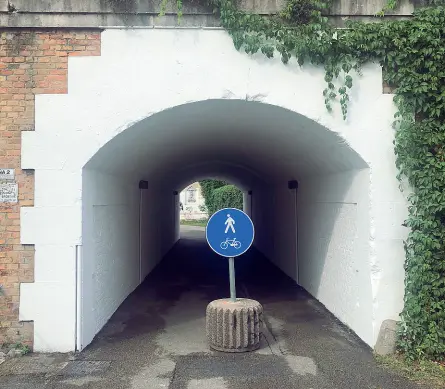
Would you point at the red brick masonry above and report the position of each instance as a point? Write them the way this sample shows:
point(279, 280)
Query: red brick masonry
point(31, 62)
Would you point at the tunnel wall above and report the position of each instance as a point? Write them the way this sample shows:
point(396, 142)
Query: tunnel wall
point(333, 220)
point(170, 222)
point(177, 210)
point(126, 232)
point(262, 213)
point(159, 221)
point(281, 226)
point(110, 257)
point(150, 235)
point(247, 204)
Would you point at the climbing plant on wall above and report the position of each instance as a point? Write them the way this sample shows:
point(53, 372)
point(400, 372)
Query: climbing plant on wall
point(412, 54)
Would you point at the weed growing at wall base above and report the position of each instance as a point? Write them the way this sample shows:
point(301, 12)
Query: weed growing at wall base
point(424, 372)
point(412, 54)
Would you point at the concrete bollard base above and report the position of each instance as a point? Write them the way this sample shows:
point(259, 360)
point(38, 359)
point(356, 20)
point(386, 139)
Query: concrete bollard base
point(234, 326)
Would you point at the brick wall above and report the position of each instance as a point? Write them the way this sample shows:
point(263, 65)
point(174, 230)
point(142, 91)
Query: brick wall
point(31, 62)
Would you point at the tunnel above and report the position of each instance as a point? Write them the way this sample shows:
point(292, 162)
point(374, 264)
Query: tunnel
point(305, 189)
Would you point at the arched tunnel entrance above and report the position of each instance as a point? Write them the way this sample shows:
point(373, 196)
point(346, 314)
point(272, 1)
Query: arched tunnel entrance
point(317, 234)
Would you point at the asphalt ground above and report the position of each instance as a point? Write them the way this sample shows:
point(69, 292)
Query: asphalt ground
point(157, 339)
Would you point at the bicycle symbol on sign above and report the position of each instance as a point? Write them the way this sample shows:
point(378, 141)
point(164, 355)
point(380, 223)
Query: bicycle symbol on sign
point(230, 242)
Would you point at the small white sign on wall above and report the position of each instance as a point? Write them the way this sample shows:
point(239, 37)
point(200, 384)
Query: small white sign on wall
point(7, 174)
point(9, 192)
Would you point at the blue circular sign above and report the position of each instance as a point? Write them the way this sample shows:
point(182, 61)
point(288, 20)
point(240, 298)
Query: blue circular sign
point(230, 232)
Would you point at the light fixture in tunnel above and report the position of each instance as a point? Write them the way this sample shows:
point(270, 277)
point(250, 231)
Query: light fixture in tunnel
point(293, 184)
point(143, 184)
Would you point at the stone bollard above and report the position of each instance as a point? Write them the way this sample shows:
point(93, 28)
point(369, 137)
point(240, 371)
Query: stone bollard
point(386, 341)
point(234, 326)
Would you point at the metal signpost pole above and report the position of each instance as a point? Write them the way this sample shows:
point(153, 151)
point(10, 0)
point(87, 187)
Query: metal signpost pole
point(232, 279)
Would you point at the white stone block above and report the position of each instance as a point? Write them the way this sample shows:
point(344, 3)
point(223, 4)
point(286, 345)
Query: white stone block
point(55, 188)
point(51, 225)
point(52, 307)
point(55, 263)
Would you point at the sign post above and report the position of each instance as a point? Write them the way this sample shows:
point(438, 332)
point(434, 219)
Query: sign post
point(232, 278)
point(235, 324)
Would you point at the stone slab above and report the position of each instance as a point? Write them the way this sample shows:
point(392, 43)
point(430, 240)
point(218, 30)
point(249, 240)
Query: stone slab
point(339, 7)
point(141, 13)
point(386, 341)
point(135, 6)
point(32, 364)
point(369, 7)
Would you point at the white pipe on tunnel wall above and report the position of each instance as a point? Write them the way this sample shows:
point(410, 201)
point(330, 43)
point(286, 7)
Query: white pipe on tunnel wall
point(143, 186)
point(293, 185)
point(297, 259)
point(250, 197)
point(78, 321)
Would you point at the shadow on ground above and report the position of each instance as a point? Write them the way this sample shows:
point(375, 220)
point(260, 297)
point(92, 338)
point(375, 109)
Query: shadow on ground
point(156, 339)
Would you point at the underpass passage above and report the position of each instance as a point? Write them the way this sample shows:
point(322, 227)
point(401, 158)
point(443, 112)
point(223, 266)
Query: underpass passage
point(305, 189)
point(157, 338)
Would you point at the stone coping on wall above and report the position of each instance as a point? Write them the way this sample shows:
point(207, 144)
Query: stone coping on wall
point(144, 13)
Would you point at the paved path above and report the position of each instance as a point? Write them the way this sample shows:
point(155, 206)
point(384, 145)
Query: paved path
point(156, 339)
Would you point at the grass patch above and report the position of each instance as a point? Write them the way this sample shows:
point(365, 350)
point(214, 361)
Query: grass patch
point(426, 373)
point(195, 223)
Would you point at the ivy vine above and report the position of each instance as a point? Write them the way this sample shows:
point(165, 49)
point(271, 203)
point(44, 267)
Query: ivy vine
point(412, 54)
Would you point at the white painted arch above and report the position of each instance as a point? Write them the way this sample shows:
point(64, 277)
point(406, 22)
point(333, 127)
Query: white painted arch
point(147, 79)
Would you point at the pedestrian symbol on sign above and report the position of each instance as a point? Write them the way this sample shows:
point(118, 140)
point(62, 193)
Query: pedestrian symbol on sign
point(229, 222)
